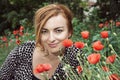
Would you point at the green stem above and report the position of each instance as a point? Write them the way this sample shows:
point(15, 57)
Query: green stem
point(88, 48)
point(114, 50)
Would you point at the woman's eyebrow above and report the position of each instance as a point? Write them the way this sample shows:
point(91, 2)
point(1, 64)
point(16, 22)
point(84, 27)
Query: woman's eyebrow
point(55, 28)
point(43, 29)
point(59, 27)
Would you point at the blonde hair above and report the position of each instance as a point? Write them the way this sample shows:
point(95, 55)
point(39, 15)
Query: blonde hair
point(45, 13)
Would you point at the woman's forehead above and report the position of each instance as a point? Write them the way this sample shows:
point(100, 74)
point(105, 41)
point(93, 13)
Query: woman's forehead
point(56, 21)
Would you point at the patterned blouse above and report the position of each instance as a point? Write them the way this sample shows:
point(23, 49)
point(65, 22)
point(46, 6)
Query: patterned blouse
point(18, 64)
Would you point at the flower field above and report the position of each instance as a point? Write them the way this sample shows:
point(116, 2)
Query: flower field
point(99, 43)
point(101, 53)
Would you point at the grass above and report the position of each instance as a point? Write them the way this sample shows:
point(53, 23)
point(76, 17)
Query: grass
point(4, 51)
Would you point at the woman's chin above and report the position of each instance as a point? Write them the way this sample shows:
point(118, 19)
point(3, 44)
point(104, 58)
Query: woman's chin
point(55, 51)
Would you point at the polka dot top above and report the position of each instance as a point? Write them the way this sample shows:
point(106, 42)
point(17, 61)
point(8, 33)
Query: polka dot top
point(18, 64)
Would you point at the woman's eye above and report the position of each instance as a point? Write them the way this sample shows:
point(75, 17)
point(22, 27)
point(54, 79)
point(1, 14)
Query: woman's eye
point(44, 31)
point(59, 31)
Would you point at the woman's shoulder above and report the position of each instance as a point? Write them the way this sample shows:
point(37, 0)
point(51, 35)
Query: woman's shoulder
point(24, 49)
point(27, 45)
point(73, 50)
point(71, 54)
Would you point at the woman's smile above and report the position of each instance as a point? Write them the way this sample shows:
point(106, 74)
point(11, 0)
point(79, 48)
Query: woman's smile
point(52, 45)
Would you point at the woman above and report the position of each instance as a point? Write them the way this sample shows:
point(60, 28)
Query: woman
point(53, 25)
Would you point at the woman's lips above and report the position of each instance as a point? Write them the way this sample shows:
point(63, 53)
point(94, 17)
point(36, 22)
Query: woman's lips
point(52, 45)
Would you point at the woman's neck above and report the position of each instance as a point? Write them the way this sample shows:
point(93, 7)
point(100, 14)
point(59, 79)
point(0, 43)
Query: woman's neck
point(40, 58)
point(54, 54)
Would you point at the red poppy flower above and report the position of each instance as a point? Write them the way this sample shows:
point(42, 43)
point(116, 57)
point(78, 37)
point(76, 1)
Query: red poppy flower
point(79, 44)
point(18, 42)
point(15, 32)
point(105, 68)
point(97, 45)
point(67, 43)
point(79, 69)
point(39, 68)
point(117, 23)
point(104, 34)
point(93, 58)
point(47, 67)
point(21, 28)
point(16, 37)
point(101, 25)
point(111, 59)
point(21, 33)
point(42, 67)
point(114, 77)
point(106, 24)
point(4, 39)
point(85, 34)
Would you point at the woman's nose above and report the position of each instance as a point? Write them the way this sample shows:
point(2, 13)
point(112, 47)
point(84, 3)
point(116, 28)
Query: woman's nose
point(51, 37)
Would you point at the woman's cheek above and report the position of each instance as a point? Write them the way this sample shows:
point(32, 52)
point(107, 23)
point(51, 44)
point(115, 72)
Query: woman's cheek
point(62, 36)
point(44, 38)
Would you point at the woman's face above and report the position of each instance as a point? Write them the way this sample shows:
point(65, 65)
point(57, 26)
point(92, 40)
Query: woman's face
point(54, 32)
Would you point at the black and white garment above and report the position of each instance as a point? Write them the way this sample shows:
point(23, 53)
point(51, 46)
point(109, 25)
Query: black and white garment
point(18, 64)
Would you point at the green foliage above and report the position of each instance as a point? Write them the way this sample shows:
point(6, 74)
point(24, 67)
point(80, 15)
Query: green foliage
point(14, 13)
point(4, 51)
